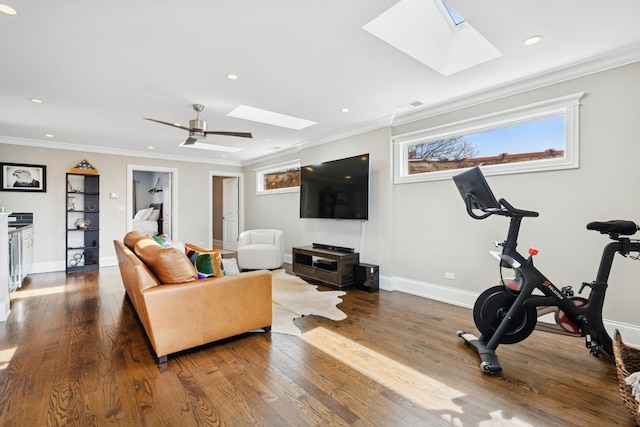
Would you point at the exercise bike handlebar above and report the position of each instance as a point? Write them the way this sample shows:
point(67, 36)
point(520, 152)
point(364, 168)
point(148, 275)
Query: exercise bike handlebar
point(506, 210)
point(517, 212)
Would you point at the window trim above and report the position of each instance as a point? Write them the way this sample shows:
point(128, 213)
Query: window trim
point(261, 172)
point(568, 105)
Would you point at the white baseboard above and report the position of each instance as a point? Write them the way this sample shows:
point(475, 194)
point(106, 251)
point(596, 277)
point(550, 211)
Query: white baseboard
point(49, 267)
point(630, 333)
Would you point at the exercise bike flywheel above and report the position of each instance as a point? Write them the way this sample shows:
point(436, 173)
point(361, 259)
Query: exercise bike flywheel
point(491, 308)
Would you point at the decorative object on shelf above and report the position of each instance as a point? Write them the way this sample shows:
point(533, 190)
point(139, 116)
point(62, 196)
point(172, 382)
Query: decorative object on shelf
point(71, 203)
point(71, 189)
point(82, 223)
point(75, 260)
point(23, 177)
point(84, 168)
point(91, 207)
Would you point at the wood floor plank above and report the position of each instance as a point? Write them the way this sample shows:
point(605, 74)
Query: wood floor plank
point(74, 353)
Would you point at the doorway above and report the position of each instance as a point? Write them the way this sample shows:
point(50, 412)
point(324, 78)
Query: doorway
point(226, 209)
point(158, 185)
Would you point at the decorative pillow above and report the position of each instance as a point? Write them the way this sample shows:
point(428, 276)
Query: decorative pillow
point(168, 264)
point(163, 240)
point(230, 266)
point(143, 214)
point(207, 262)
point(262, 238)
point(155, 215)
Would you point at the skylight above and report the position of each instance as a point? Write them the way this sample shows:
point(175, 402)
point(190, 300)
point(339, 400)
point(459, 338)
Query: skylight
point(455, 16)
point(269, 117)
point(433, 33)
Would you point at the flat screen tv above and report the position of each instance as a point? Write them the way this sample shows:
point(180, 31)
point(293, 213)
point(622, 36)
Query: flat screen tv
point(336, 189)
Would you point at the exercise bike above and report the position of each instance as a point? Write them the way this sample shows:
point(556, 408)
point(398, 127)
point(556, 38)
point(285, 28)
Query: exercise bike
point(507, 313)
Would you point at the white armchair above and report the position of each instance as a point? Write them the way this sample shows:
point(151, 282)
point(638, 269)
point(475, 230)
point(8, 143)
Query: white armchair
point(260, 249)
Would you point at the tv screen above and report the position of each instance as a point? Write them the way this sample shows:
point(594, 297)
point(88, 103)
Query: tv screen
point(336, 189)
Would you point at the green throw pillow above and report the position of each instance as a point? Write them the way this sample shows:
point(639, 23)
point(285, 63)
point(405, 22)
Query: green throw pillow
point(208, 262)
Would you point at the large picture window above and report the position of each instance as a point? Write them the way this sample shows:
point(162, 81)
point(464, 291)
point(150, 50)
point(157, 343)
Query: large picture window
point(542, 136)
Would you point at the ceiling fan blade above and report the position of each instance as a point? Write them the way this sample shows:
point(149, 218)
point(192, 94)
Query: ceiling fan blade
point(189, 141)
point(175, 125)
point(238, 134)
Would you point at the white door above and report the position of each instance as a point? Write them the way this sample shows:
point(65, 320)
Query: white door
point(230, 214)
point(167, 214)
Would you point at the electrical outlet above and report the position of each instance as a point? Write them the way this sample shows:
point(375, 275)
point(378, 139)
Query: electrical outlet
point(449, 275)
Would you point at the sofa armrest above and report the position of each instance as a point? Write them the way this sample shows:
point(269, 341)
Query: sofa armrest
point(236, 304)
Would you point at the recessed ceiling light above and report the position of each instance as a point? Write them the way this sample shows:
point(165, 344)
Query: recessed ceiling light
point(7, 10)
point(232, 76)
point(532, 40)
point(151, 147)
point(36, 100)
point(275, 148)
point(345, 110)
point(49, 135)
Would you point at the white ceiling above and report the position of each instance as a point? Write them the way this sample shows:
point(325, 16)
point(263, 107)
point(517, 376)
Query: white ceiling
point(101, 66)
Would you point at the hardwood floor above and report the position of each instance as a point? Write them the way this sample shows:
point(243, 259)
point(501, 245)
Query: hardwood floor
point(74, 353)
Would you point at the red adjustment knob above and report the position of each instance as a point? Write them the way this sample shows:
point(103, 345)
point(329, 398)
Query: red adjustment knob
point(533, 251)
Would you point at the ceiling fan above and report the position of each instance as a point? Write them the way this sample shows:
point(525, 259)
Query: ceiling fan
point(198, 128)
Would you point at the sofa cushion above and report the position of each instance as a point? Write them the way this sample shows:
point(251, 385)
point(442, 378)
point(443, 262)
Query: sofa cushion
point(207, 262)
point(132, 238)
point(169, 265)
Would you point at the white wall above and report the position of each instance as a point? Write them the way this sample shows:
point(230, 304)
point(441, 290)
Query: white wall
point(282, 210)
point(602, 188)
point(49, 207)
point(419, 231)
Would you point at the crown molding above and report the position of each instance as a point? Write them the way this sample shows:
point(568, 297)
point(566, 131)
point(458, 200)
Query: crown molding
point(599, 64)
point(113, 151)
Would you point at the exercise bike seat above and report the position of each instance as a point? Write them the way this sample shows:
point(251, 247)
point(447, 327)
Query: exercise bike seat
point(617, 226)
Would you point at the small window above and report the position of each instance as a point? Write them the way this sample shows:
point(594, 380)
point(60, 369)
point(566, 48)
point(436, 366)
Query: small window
point(542, 136)
point(280, 178)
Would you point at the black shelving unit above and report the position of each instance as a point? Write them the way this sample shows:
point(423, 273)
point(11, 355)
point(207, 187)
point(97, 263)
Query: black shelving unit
point(83, 203)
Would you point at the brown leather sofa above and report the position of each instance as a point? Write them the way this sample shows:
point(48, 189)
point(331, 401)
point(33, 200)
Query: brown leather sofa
point(177, 310)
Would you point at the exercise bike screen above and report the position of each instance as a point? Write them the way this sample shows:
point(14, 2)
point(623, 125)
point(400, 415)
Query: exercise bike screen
point(473, 182)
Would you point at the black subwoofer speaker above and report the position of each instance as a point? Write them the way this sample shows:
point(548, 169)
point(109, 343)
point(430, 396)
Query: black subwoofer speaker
point(366, 277)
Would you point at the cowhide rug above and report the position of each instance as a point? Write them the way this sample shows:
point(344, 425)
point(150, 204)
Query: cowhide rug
point(294, 298)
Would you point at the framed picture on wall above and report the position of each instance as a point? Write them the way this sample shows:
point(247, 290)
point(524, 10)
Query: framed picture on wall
point(23, 177)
